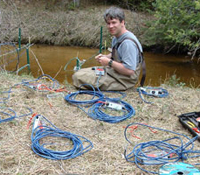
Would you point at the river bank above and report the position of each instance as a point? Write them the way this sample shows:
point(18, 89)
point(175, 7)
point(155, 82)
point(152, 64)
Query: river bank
point(109, 143)
point(61, 24)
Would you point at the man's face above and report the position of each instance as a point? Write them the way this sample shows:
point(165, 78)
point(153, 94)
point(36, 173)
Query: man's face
point(115, 27)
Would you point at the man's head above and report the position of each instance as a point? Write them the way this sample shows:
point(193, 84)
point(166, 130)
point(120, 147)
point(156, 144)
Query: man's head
point(114, 13)
point(114, 18)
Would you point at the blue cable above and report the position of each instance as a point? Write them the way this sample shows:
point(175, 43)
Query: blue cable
point(71, 98)
point(97, 104)
point(140, 153)
point(96, 111)
point(40, 132)
point(11, 114)
point(27, 114)
point(3, 99)
point(56, 84)
point(153, 92)
point(123, 94)
point(28, 84)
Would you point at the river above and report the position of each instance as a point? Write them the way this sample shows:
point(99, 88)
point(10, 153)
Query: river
point(53, 59)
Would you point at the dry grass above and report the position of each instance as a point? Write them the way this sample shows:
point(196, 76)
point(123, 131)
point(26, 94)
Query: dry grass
point(106, 157)
point(60, 26)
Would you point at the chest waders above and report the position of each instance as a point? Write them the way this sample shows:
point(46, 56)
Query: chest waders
point(111, 80)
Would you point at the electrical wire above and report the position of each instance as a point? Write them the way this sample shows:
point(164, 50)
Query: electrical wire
point(123, 94)
point(30, 112)
point(35, 85)
point(153, 92)
point(8, 114)
point(80, 144)
point(96, 105)
point(79, 61)
point(99, 110)
point(96, 96)
point(164, 152)
point(3, 99)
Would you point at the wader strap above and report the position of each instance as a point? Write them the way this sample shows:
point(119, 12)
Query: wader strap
point(143, 72)
point(141, 58)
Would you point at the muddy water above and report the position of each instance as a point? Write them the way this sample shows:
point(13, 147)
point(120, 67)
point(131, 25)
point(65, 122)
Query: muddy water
point(53, 60)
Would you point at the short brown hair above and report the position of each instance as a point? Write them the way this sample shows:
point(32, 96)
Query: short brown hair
point(114, 13)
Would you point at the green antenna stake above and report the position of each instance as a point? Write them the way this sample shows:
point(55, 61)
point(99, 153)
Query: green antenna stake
point(28, 62)
point(19, 39)
point(100, 46)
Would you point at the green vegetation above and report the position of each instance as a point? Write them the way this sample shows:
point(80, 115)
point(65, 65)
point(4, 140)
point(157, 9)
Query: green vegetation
point(176, 26)
point(174, 81)
point(135, 5)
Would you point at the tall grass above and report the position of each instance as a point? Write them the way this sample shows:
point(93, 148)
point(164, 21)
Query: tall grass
point(59, 24)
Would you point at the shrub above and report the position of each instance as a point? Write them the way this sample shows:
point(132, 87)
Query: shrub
point(176, 25)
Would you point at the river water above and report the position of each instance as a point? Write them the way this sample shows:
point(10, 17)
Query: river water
point(53, 60)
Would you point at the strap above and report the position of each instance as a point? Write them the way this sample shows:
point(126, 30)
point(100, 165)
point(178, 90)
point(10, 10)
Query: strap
point(143, 73)
point(141, 59)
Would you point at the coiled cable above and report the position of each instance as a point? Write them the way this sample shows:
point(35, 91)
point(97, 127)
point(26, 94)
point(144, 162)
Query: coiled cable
point(95, 97)
point(80, 144)
point(98, 110)
point(153, 92)
point(163, 151)
point(99, 103)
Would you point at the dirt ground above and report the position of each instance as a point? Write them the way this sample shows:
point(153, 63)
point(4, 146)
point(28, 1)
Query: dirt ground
point(109, 143)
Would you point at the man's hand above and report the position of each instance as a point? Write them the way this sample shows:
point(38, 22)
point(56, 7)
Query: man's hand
point(97, 57)
point(119, 67)
point(102, 59)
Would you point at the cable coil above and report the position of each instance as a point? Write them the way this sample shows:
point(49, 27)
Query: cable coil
point(96, 111)
point(71, 98)
point(160, 152)
point(80, 144)
point(153, 92)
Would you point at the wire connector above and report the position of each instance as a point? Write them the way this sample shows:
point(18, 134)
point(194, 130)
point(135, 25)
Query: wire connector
point(99, 71)
point(37, 122)
point(156, 157)
point(155, 92)
point(115, 106)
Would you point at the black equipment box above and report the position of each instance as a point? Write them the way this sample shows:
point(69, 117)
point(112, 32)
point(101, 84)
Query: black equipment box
point(191, 121)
